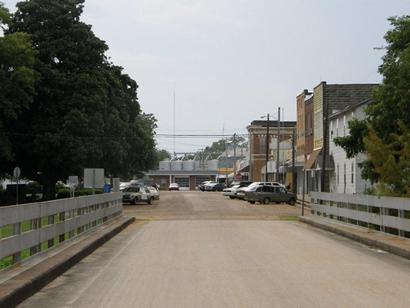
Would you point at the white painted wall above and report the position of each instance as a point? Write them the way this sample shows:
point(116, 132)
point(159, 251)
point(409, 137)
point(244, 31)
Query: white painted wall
point(346, 177)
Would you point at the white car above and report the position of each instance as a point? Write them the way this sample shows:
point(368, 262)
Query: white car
point(231, 191)
point(134, 194)
point(173, 186)
point(154, 192)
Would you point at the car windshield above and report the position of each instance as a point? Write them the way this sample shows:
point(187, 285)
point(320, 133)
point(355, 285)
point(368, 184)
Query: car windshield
point(132, 189)
point(253, 188)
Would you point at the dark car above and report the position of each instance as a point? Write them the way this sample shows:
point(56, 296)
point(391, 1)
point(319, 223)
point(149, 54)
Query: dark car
point(216, 187)
point(267, 194)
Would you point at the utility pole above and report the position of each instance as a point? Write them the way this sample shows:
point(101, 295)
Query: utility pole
point(234, 155)
point(278, 149)
point(323, 179)
point(267, 148)
point(294, 177)
point(174, 126)
point(303, 187)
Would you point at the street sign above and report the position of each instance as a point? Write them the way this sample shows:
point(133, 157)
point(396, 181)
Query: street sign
point(16, 175)
point(94, 178)
point(72, 180)
point(16, 172)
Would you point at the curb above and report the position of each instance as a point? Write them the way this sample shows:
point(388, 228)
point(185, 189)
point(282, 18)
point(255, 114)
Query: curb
point(404, 253)
point(26, 284)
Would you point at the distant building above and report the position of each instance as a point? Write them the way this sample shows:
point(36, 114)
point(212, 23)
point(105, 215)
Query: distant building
point(346, 177)
point(304, 141)
point(257, 147)
point(187, 173)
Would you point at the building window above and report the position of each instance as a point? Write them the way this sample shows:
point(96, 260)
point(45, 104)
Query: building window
point(331, 130)
point(337, 174)
point(352, 173)
point(344, 178)
point(262, 144)
point(337, 127)
point(344, 126)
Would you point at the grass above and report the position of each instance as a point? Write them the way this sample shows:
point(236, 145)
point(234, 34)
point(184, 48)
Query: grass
point(289, 218)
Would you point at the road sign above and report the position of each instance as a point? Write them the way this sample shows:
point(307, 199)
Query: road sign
point(72, 180)
point(94, 178)
point(16, 172)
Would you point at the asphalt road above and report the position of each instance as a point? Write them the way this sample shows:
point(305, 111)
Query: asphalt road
point(202, 250)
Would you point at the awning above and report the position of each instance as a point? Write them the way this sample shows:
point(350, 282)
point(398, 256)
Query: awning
point(310, 164)
point(244, 169)
point(330, 162)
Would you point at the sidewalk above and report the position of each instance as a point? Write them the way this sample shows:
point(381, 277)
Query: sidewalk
point(393, 244)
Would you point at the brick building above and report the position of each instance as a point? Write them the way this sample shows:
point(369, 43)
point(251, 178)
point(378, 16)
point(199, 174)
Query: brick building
point(257, 146)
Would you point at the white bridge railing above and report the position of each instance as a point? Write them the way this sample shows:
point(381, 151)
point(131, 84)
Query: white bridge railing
point(385, 214)
point(28, 229)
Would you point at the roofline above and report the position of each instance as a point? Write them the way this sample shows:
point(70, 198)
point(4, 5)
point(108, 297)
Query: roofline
point(350, 108)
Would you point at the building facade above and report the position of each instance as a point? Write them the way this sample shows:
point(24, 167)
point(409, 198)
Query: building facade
point(329, 99)
point(346, 176)
point(257, 146)
point(188, 174)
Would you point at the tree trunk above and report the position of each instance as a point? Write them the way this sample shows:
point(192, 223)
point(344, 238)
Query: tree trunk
point(49, 189)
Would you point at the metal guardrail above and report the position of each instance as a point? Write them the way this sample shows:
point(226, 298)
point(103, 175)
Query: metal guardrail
point(385, 214)
point(28, 229)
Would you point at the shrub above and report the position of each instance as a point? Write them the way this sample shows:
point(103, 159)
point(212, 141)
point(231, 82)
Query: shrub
point(63, 193)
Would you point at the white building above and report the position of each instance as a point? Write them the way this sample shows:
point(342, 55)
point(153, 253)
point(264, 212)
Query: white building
point(346, 176)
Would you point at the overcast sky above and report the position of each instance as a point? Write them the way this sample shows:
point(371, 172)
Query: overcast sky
point(231, 61)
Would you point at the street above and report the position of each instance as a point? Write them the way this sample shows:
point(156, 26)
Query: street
point(195, 249)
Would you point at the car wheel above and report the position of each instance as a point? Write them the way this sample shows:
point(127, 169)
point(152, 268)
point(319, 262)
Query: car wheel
point(292, 201)
point(266, 201)
point(252, 202)
point(134, 201)
point(231, 197)
point(149, 201)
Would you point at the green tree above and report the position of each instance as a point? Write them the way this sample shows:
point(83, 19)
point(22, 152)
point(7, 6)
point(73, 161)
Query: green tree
point(17, 80)
point(380, 134)
point(163, 155)
point(85, 111)
point(218, 147)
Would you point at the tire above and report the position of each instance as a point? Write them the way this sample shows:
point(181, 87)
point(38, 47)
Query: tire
point(266, 201)
point(230, 197)
point(292, 201)
point(134, 201)
point(252, 202)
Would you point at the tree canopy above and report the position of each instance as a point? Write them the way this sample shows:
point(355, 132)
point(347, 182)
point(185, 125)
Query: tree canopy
point(17, 81)
point(85, 110)
point(384, 134)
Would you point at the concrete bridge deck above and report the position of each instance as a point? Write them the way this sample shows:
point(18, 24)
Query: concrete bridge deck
point(194, 249)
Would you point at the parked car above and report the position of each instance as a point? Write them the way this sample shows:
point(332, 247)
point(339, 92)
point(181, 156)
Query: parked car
point(241, 192)
point(231, 191)
point(173, 186)
point(241, 183)
point(203, 184)
point(134, 194)
point(269, 193)
point(214, 186)
point(154, 192)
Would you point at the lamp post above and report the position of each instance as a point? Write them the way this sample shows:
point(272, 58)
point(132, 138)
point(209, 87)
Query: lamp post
point(267, 147)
